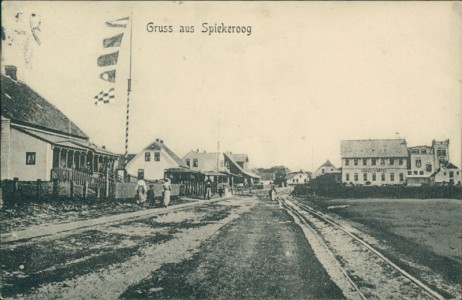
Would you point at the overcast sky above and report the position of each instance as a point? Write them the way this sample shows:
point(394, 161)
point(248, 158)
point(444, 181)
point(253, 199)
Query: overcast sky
point(309, 74)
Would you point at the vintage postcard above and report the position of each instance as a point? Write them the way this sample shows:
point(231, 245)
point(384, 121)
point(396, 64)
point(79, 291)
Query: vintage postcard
point(231, 150)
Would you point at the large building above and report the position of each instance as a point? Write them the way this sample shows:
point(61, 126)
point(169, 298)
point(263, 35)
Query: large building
point(430, 165)
point(374, 162)
point(39, 142)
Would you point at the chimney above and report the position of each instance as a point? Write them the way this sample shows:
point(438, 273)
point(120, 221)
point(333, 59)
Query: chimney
point(197, 150)
point(10, 71)
point(104, 147)
point(161, 141)
point(157, 140)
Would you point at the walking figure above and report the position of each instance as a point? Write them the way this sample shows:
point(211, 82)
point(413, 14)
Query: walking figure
point(208, 189)
point(141, 190)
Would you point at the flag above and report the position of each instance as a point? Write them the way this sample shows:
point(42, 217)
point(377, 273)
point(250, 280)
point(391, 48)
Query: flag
point(104, 97)
point(121, 23)
point(108, 59)
point(113, 41)
point(108, 76)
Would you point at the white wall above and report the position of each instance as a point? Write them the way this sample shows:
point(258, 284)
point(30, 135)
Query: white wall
point(22, 143)
point(153, 170)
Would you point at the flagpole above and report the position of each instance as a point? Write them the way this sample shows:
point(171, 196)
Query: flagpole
point(129, 88)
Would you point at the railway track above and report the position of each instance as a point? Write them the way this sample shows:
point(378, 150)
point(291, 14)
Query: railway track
point(368, 272)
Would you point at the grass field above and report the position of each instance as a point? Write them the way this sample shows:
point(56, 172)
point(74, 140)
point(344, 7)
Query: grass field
point(428, 230)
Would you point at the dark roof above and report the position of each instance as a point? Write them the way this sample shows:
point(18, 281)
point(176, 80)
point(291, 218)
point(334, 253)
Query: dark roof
point(24, 106)
point(451, 166)
point(373, 148)
point(159, 145)
point(328, 164)
point(121, 159)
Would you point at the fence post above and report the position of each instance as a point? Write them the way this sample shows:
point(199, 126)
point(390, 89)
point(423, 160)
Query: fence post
point(106, 194)
point(97, 191)
point(39, 186)
point(85, 190)
point(71, 189)
point(15, 186)
point(55, 188)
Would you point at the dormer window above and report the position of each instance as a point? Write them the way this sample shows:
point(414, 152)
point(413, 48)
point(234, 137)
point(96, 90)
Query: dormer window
point(188, 162)
point(195, 163)
point(418, 162)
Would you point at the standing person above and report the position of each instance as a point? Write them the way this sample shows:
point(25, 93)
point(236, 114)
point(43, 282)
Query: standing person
point(272, 193)
point(208, 189)
point(166, 193)
point(151, 196)
point(141, 190)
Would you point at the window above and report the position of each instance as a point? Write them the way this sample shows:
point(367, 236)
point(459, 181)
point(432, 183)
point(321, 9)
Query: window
point(323, 171)
point(418, 162)
point(140, 173)
point(227, 164)
point(457, 172)
point(147, 156)
point(444, 173)
point(355, 161)
point(364, 161)
point(423, 151)
point(157, 156)
point(195, 163)
point(409, 172)
point(373, 161)
point(415, 172)
point(347, 177)
point(441, 152)
point(347, 162)
point(401, 161)
point(374, 177)
point(392, 161)
point(30, 158)
point(421, 173)
point(392, 176)
point(451, 174)
point(382, 161)
point(428, 167)
point(382, 177)
point(401, 177)
point(365, 176)
point(188, 162)
point(332, 170)
point(356, 176)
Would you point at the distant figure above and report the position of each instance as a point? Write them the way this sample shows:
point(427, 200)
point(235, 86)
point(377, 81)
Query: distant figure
point(141, 190)
point(208, 189)
point(166, 193)
point(272, 192)
point(220, 191)
point(151, 196)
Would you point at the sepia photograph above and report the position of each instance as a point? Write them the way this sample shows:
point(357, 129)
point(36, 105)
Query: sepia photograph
point(231, 150)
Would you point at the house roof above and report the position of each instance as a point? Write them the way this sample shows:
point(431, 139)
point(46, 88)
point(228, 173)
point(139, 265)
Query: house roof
point(328, 164)
point(373, 148)
point(65, 141)
point(239, 157)
point(208, 160)
point(450, 166)
point(24, 106)
point(159, 145)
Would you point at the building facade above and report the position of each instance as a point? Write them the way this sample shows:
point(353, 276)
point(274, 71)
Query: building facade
point(325, 168)
point(153, 161)
point(374, 162)
point(39, 142)
point(295, 178)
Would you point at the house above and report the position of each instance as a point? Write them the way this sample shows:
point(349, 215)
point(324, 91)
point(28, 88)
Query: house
point(38, 141)
point(374, 161)
point(222, 167)
point(325, 168)
point(295, 178)
point(448, 174)
point(152, 162)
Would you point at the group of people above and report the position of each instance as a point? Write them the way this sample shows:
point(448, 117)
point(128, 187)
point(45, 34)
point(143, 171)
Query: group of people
point(148, 195)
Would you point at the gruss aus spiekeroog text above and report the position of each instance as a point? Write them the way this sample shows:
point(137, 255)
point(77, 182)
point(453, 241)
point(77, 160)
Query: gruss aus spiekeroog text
point(216, 28)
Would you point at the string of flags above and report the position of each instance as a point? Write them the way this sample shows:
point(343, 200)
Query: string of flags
point(110, 59)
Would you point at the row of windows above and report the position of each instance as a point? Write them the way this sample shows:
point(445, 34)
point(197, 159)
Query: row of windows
point(375, 161)
point(147, 156)
point(374, 177)
point(195, 162)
